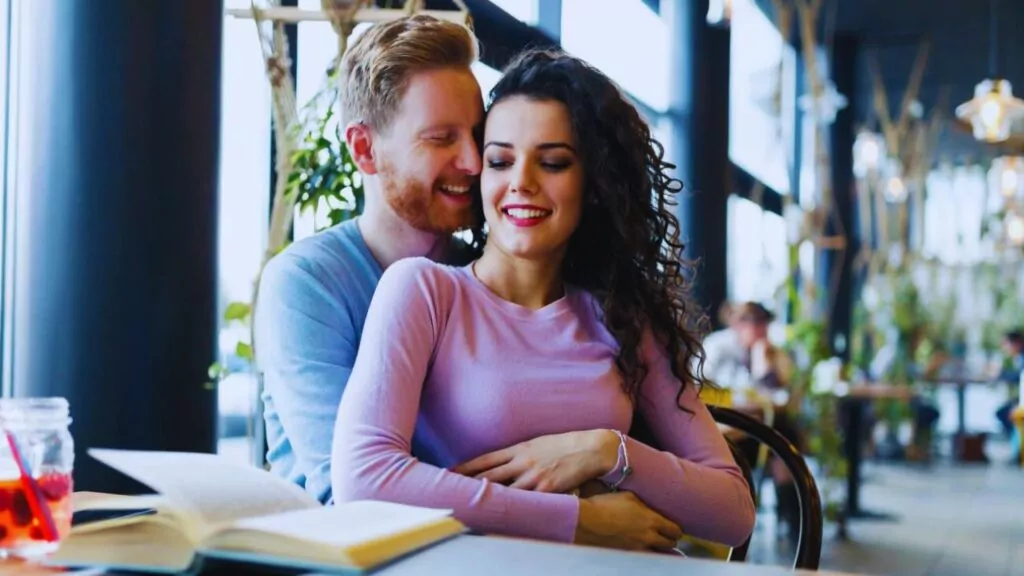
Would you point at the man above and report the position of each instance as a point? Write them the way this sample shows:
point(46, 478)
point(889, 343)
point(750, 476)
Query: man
point(412, 108)
point(752, 367)
point(1013, 350)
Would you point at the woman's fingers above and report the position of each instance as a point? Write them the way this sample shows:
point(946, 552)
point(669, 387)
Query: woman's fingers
point(483, 463)
point(527, 481)
point(502, 474)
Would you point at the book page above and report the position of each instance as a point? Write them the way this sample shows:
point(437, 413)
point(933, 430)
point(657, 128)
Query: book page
point(344, 525)
point(208, 490)
point(149, 547)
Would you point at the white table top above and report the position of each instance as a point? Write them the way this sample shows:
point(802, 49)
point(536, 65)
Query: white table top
point(494, 556)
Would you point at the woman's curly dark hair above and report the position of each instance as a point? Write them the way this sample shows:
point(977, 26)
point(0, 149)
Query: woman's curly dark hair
point(626, 250)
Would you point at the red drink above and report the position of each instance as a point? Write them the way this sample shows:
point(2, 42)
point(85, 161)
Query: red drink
point(21, 532)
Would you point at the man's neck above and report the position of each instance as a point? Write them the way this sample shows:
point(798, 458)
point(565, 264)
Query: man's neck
point(532, 284)
point(391, 239)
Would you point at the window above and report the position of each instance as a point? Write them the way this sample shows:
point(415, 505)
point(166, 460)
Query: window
point(9, 66)
point(244, 185)
point(954, 211)
point(760, 110)
point(809, 133)
point(486, 76)
point(626, 40)
point(757, 257)
point(525, 10)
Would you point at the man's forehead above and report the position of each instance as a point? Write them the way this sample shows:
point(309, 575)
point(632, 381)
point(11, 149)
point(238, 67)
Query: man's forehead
point(451, 99)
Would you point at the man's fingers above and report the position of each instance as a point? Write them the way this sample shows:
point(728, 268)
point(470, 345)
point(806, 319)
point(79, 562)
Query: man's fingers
point(482, 463)
point(669, 529)
point(658, 541)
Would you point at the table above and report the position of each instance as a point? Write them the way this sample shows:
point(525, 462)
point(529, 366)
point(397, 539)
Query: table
point(856, 399)
point(961, 383)
point(497, 556)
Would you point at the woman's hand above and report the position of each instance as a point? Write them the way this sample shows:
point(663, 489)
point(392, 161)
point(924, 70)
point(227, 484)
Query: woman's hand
point(622, 520)
point(553, 463)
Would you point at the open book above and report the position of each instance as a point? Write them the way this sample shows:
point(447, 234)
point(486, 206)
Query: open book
point(209, 507)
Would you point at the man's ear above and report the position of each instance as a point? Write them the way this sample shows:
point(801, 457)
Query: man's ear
point(359, 139)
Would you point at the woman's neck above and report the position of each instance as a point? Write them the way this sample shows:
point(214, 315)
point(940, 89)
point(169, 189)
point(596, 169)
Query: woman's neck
point(528, 283)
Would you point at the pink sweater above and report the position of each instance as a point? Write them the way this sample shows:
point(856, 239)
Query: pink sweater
point(470, 373)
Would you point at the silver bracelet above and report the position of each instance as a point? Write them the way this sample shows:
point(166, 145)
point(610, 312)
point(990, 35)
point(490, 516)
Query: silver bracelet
point(626, 469)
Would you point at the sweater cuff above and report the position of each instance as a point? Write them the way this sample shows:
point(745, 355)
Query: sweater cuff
point(542, 515)
point(646, 464)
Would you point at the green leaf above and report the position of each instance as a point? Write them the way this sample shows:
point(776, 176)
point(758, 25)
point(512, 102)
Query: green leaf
point(215, 371)
point(237, 311)
point(243, 350)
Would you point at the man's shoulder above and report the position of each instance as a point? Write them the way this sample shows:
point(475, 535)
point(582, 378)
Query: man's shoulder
point(336, 255)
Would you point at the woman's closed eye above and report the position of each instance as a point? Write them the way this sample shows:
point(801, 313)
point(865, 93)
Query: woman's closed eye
point(556, 165)
point(548, 165)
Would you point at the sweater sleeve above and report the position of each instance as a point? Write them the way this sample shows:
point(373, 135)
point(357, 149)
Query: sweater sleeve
point(305, 346)
point(377, 416)
point(695, 481)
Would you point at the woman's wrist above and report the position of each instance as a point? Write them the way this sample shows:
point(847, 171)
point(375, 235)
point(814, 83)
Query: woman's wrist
point(607, 454)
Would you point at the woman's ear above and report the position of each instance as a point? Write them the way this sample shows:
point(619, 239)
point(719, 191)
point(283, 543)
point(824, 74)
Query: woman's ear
point(359, 139)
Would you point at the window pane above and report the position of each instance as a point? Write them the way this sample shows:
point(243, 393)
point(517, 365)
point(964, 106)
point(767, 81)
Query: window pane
point(954, 211)
point(626, 40)
point(757, 105)
point(486, 76)
point(757, 258)
point(244, 184)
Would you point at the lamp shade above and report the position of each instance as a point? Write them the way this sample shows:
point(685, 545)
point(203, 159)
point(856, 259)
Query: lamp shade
point(992, 110)
point(894, 186)
point(1014, 224)
point(1007, 176)
point(868, 151)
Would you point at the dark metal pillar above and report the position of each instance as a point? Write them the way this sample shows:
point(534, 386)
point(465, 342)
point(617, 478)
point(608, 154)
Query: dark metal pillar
point(700, 126)
point(115, 272)
point(843, 66)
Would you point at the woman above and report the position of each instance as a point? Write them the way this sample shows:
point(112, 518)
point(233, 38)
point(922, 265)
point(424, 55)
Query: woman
point(522, 370)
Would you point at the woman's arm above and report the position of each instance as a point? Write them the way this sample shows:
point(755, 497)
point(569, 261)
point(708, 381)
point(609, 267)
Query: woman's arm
point(371, 451)
point(694, 482)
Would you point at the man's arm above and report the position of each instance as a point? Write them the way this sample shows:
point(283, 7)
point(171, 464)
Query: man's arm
point(305, 346)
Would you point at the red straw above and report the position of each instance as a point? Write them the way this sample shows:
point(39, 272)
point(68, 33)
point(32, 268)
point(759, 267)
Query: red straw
point(33, 493)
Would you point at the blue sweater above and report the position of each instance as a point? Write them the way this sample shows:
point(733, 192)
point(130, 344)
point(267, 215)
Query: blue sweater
point(309, 317)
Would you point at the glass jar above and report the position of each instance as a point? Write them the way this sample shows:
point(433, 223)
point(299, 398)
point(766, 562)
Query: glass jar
point(36, 460)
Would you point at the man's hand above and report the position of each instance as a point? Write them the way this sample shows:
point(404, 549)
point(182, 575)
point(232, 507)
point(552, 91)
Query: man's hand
point(554, 463)
point(622, 520)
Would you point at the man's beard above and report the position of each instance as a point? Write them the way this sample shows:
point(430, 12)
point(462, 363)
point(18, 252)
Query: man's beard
point(415, 203)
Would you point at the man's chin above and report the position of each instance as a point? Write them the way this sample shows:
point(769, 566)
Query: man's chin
point(448, 224)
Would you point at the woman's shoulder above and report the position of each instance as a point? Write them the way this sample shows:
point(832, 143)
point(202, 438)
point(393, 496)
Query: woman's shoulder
point(420, 274)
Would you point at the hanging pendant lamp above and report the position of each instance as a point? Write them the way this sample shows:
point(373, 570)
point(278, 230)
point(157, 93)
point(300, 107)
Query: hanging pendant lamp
point(994, 109)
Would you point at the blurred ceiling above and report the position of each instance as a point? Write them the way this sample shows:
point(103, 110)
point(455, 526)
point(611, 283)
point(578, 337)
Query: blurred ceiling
point(890, 32)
